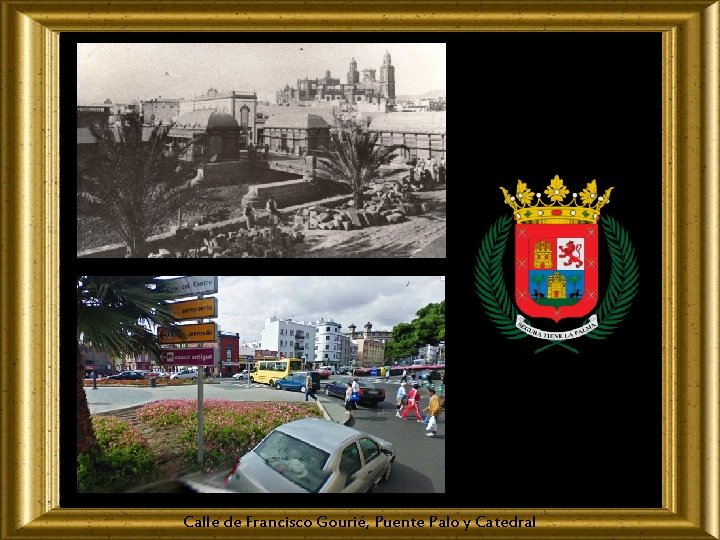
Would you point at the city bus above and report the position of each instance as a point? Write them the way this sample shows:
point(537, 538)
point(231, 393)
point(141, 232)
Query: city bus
point(269, 370)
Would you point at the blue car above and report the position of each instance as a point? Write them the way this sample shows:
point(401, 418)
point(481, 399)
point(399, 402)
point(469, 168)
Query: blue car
point(295, 381)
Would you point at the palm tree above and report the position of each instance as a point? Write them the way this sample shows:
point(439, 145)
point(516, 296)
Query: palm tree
point(135, 187)
point(574, 278)
point(117, 314)
point(355, 159)
point(538, 279)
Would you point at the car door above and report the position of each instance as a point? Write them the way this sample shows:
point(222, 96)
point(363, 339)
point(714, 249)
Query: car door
point(375, 462)
point(350, 470)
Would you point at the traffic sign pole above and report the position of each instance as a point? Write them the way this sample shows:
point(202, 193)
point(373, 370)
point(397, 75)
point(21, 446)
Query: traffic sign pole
point(200, 416)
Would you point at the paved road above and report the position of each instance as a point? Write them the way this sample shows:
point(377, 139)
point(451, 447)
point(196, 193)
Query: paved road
point(420, 465)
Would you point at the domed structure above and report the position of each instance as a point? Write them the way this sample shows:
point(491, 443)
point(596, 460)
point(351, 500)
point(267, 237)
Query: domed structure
point(200, 135)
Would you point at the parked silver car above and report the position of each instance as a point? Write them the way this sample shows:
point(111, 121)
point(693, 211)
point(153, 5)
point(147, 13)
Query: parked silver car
point(308, 455)
point(185, 374)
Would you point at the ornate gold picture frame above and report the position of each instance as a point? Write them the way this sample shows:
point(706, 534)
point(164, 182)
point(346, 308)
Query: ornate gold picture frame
point(29, 291)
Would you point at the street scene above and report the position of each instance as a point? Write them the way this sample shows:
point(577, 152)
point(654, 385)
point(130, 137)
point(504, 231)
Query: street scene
point(272, 150)
point(287, 405)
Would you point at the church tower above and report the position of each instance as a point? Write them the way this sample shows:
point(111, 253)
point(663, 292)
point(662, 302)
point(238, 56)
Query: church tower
point(353, 77)
point(387, 78)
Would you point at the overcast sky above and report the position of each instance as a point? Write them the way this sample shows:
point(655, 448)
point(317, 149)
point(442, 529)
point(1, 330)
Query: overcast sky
point(142, 71)
point(244, 302)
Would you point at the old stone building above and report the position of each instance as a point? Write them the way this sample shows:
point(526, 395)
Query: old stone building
point(359, 86)
point(294, 134)
point(239, 104)
point(212, 134)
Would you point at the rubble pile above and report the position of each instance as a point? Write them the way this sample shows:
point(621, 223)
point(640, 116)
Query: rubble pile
point(383, 204)
point(259, 242)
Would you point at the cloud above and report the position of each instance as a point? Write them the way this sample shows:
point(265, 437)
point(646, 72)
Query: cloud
point(245, 302)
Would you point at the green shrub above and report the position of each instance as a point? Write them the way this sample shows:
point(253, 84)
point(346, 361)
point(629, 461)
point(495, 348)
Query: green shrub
point(121, 457)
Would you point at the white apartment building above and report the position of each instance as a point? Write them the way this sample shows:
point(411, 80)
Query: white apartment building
point(289, 338)
point(328, 343)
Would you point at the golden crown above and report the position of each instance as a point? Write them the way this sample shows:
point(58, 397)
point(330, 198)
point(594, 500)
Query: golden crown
point(528, 207)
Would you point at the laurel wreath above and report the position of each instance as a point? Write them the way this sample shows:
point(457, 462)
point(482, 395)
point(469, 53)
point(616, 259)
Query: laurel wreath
point(614, 307)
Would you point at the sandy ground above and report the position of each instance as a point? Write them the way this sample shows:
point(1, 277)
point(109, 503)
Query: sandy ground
point(419, 236)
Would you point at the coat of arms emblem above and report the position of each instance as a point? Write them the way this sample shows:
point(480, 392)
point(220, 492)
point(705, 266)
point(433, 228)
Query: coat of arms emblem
point(556, 265)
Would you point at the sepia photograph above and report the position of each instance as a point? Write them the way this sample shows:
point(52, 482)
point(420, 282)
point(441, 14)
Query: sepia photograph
point(261, 150)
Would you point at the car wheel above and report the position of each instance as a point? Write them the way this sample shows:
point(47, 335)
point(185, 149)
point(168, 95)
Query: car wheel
point(388, 472)
point(252, 379)
point(277, 386)
point(327, 391)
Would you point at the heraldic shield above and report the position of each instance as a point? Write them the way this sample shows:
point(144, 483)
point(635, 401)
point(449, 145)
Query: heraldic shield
point(556, 269)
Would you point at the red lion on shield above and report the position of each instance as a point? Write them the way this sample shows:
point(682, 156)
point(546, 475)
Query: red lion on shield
point(568, 250)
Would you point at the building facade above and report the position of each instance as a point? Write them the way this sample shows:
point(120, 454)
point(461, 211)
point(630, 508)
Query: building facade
point(160, 111)
point(294, 134)
point(370, 352)
point(228, 362)
point(422, 134)
point(289, 338)
point(241, 105)
point(359, 86)
point(211, 133)
point(328, 343)
point(368, 333)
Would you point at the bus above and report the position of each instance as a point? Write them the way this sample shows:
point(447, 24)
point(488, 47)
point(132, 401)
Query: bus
point(267, 371)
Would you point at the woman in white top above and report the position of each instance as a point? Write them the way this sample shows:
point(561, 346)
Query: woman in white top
point(399, 398)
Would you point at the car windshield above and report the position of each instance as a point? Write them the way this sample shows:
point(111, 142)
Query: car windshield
point(296, 460)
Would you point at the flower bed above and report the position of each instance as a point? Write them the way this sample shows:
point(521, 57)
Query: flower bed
point(231, 428)
point(144, 382)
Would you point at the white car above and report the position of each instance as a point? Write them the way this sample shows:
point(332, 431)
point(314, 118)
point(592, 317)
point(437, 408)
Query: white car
point(241, 375)
point(185, 374)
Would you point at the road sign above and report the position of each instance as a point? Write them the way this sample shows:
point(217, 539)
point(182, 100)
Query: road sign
point(188, 286)
point(188, 357)
point(249, 357)
point(193, 333)
point(194, 309)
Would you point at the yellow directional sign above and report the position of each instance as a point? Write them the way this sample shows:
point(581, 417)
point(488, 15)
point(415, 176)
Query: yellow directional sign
point(194, 309)
point(193, 333)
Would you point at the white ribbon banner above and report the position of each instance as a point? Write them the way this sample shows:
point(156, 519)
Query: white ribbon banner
point(556, 336)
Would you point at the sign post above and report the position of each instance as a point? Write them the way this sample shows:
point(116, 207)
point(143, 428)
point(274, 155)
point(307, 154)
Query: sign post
point(199, 309)
point(249, 359)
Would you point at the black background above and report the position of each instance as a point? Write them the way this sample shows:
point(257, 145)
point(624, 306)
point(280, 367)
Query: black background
point(553, 429)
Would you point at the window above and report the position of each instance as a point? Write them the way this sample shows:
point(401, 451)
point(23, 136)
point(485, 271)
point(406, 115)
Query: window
point(327, 338)
point(327, 347)
point(292, 332)
point(326, 357)
point(370, 449)
point(327, 329)
point(350, 462)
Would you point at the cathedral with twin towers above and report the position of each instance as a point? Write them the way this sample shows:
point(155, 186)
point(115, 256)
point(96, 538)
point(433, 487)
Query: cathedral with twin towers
point(359, 86)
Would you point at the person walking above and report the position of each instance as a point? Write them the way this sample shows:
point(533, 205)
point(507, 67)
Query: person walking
point(356, 391)
point(413, 397)
point(387, 374)
point(400, 398)
point(348, 398)
point(404, 376)
point(434, 411)
point(309, 387)
point(249, 216)
point(271, 207)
